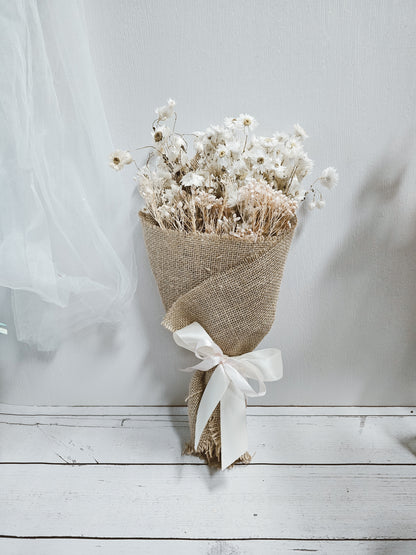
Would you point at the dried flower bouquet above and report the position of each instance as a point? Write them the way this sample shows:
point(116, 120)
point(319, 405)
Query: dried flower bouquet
point(218, 223)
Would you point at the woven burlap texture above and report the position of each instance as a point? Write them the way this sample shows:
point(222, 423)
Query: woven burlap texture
point(228, 285)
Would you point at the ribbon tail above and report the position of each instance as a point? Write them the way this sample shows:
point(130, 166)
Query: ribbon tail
point(213, 394)
point(234, 440)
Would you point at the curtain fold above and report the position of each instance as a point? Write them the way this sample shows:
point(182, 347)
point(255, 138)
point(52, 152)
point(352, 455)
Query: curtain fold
point(66, 222)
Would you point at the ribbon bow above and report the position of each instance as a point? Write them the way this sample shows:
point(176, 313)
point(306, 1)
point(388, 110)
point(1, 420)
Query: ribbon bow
point(228, 386)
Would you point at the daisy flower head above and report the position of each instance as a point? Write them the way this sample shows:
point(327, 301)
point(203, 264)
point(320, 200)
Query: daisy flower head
point(216, 134)
point(119, 159)
point(304, 167)
point(178, 142)
point(281, 172)
point(246, 122)
point(165, 112)
point(235, 148)
point(300, 133)
point(293, 148)
point(230, 123)
point(161, 133)
point(199, 141)
point(222, 151)
point(297, 190)
point(280, 137)
point(269, 144)
point(329, 178)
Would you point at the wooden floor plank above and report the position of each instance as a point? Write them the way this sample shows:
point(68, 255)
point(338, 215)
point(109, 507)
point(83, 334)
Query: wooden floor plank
point(313, 439)
point(209, 547)
point(149, 410)
point(270, 502)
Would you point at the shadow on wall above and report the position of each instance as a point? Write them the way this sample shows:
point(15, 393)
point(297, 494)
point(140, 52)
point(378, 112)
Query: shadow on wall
point(368, 297)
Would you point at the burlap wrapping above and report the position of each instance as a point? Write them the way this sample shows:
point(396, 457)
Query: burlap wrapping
point(228, 285)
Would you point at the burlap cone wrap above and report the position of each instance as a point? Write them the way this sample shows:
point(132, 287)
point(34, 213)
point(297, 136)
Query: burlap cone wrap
point(230, 286)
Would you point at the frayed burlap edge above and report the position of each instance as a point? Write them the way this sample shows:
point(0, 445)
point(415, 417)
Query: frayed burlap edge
point(209, 446)
point(212, 456)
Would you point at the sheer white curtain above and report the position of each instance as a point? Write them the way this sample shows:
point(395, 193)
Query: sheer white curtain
point(66, 222)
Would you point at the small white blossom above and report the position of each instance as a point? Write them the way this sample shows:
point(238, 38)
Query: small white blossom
point(269, 144)
point(300, 132)
point(293, 148)
point(280, 137)
point(304, 167)
point(192, 179)
point(216, 134)
point(222, 151)
point(231, 123)
point(281, 172)
point(165, 112)
point(161, 133)
point(231, 196)
point(329, 178)
point(321, 203)
point(238, 168)
point(168, 195)
point(297, 190)
point(311, 205)
point(235, 147)
point(119, 159)
point(177, 142)
point(245, 121)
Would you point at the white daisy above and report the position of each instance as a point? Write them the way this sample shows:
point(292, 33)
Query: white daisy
point(281, 172)
point(231, 123)
point(300, 132)
point(245, 121)
point(161, 133)
point(304, 167)
point(297, 190)
point(222, 151)
point(236, 148)
point(165, 112)
point(119, 159)
point(329, 178)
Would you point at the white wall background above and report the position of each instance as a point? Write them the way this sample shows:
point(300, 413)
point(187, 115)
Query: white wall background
point(346, 71)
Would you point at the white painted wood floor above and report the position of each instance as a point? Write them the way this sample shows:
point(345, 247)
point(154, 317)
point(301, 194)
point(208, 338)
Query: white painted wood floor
point(112, 481)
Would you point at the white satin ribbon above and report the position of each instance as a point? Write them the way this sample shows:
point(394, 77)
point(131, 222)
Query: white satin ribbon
point(229, 386)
